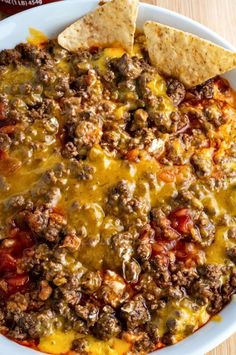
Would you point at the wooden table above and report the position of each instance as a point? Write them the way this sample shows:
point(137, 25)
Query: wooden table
point(219, 15)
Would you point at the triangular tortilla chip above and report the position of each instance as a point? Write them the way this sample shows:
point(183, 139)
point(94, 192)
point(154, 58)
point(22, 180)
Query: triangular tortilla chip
point(112, 23)
point(184, 56)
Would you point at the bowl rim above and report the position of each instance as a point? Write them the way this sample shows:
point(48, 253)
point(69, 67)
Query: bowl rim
point(162, 10)
point(225, 329)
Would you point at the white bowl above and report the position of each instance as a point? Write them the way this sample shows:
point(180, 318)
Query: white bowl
point(51, 19)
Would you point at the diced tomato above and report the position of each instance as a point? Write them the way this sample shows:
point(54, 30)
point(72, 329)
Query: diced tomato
point(188, 252)
point(59, 210)
point(167, 176)
point(94, 50)
point(181, 220)
point(158, 248)
point(2, 112)
point(222, 84)
point(13, 232)
point(147, 234)
point(181, 252)
point(8, 129)
point(133, 155)
point(3, 155)
point(58, 218)
point(17, 282)
point(163, 246)
point(7, 263)
point(9, 166)
point(23, 240)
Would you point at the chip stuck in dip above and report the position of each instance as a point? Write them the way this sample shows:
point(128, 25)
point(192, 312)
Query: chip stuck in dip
point(191, 59)
point(117, 186)
point(112, 23)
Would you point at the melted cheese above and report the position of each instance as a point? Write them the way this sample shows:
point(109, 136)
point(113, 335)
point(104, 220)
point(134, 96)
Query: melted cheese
point(36, 37)
point(186, 314)
point(57, 343)
point(60, 342)
point(108, 53)
point(158, 88)
point(17, 76)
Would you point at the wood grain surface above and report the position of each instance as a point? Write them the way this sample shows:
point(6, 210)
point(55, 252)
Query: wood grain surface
point(219, 15)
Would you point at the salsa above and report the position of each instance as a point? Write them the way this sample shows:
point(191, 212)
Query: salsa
point(117, 200)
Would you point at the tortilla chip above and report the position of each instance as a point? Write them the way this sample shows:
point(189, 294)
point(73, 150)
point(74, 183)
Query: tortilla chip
point(111, 24)
point(184, 56)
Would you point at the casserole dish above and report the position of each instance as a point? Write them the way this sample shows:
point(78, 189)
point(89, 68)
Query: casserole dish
point(51, 19)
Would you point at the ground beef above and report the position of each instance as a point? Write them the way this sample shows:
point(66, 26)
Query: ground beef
point(135, 312)
point(46, 225)
point(143, 344)
point(140, 120)
point(5, 142)
point(204, 91)
point(15, 202)
point(45, 290)
point(211, 272)
point(202, 165)
point(207, 290)
point(33, 325)
point(175, 90)
point(69, 150)
point(143, 90)
point(162, 225)
point(72, 242)
point(33, 54)
point(10, 56)
point(87, 134)
point(168, 122)
point(160, 271)
point(113, 289)
point(231, 254)
point(81, 171)
point(233, 280)
point(107, 325)
point(213, 114)
point(231, 233)
point(203, 231)
point(17, 302)
point(122, 203)
point(70, 293)
point(91, 281)
point(145, 139)
point(79, 346)
point(38, 221)
point(144, 243)
point(58, 88)
point(148, 287)
point(82, 82)
point(89, 313)
point(122, 244)
point(126, 67)
point(176, 152)
point(131, 271)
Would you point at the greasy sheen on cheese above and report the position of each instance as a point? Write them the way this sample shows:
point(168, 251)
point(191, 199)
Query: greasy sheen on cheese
point(117, 200)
